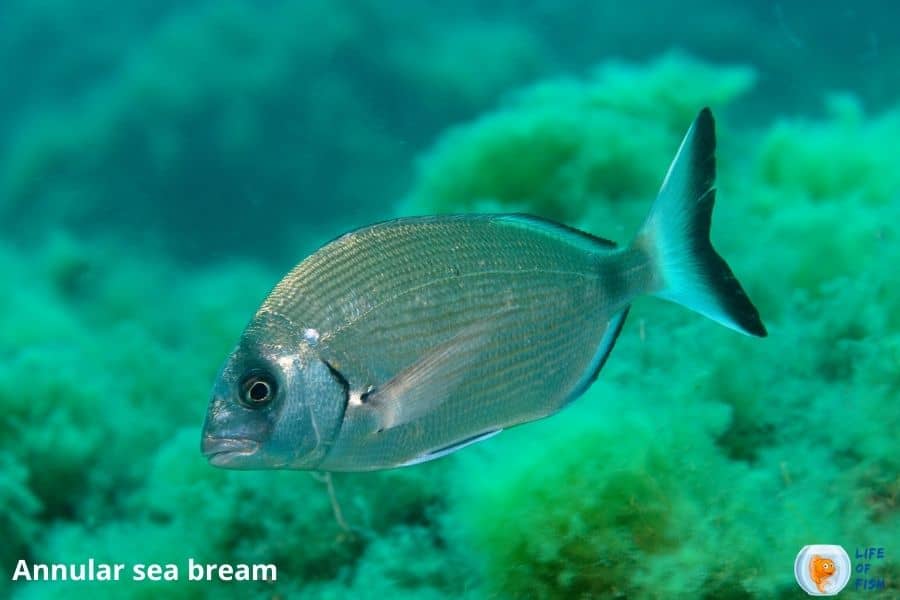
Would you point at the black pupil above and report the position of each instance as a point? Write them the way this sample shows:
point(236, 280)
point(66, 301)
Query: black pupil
point(258, 391)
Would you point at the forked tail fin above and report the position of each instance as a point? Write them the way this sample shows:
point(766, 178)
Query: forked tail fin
point(675, 236)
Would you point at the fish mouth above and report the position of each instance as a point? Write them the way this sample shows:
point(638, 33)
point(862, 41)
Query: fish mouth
point(222, 451)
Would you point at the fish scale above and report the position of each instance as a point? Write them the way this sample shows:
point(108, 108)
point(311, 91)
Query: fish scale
point(559, 313)
point(329, 299)
point(321, 290)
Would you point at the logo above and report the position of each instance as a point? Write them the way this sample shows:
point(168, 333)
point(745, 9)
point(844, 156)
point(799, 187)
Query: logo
point(822, 569)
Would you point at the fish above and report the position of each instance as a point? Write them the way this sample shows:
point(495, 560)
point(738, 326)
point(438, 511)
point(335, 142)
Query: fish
point(407, 340)
point(820, 569)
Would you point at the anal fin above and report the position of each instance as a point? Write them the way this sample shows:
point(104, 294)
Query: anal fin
point(607, 342)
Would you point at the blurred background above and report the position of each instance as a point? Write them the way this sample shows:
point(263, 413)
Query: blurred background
point(236, 128)
point(163, 163)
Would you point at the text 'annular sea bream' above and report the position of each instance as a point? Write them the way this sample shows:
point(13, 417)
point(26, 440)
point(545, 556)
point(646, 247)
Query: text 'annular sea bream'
point(93, 570)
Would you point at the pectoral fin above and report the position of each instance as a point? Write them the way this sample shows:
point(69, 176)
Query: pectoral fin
point(423, 386)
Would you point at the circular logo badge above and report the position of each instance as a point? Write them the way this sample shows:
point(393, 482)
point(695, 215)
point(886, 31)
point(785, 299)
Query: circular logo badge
point(822, 569)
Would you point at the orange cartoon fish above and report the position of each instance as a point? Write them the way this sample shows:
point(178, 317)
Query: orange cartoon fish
point(820, 569)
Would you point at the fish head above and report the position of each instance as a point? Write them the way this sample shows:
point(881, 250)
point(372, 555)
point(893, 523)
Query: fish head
point(275, 402)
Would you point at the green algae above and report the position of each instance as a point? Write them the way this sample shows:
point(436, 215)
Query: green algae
point(559, 147)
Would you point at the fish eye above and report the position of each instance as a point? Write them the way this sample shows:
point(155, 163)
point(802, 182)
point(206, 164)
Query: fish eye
point(257, 389)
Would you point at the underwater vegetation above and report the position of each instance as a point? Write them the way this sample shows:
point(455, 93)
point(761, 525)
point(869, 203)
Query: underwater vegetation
point(560, 148)
point(697, 465)
point(188, 113)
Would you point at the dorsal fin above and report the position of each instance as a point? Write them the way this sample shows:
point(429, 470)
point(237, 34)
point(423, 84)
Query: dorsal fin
point(559, 230)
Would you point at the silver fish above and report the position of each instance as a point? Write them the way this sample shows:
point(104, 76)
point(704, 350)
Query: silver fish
point(406, 340)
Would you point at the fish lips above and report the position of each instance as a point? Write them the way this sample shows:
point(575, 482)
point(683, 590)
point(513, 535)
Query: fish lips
point(222, 452)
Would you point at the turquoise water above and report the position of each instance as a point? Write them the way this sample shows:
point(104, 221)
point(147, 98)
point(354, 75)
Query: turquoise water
point(165, 163)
